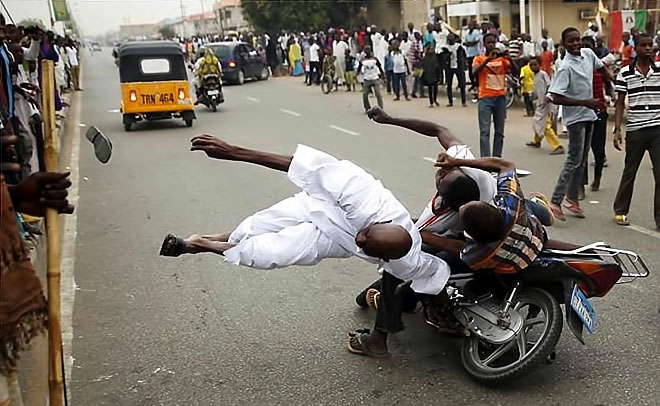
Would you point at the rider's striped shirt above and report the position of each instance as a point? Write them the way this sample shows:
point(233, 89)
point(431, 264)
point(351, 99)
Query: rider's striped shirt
point(524, 239)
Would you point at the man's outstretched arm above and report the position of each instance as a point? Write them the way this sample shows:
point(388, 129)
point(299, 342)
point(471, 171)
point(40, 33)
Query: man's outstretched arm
point(428, 128)
point(218, 149)
point(498, 165)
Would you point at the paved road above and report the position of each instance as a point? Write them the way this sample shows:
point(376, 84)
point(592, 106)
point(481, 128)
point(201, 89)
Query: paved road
point(194, 331)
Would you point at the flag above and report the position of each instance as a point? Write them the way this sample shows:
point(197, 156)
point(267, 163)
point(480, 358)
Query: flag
point(624, 21)
point(60, 10)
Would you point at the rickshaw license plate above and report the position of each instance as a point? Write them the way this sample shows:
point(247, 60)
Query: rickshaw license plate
point(158, 98)
point(583, 309)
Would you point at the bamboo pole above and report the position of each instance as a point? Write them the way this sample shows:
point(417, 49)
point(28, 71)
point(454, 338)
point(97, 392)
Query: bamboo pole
point(55, 381)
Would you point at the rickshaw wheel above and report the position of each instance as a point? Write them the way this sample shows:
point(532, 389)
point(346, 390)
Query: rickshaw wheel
point(189, 123)
point(128, 126)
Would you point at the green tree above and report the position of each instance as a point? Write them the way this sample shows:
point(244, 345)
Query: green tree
point(167, 32)
point(302, 15)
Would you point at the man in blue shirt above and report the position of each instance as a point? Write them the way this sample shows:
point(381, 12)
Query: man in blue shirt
point(572, 88)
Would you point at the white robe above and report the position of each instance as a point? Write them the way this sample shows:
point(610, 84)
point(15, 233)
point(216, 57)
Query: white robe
point(339, 52)
point(338, 199)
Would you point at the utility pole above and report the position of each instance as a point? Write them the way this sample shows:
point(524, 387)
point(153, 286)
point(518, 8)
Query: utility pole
point(183, 19)
point(202, 20)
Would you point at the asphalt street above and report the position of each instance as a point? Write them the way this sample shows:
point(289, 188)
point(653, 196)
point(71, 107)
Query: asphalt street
point(150, 330)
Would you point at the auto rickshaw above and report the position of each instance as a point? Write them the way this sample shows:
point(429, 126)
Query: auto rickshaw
point(154, 83)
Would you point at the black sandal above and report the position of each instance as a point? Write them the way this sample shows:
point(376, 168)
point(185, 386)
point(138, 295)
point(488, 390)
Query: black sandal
point(172, 246)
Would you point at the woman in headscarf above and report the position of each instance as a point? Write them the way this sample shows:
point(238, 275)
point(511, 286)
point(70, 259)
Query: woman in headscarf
point(295, 58)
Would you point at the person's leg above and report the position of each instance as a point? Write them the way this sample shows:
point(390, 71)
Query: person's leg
point(404, 86)
point(538, 205)
point(460, 74)
point(653, 135)
point(484, 111)
point(430, 89)
point(434, 87)
point(527, 98)
point(598, 141)
point(388, 320)
point(499, 117)
point(376, 88)
point(366, 88)
point(573, 159)
point(473, 83)
point(389, 77)
point(635, 149)
point(576, 186)
point(450, 85)
point(397, 86)
point(550, 135)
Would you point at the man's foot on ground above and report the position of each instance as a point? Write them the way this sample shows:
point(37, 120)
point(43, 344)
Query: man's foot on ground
point(361, 342)
point(558, 151)
point(464, 105)
point(450, 104)
point(573, 208)
point(595, 187)
point(621, 219)
point(557, 212)
point(534, 144)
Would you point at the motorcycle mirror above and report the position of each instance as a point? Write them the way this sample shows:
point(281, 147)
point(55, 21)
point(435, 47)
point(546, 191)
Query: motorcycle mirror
point(102, 144)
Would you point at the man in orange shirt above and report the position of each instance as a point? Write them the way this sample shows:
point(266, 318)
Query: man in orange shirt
point(546, 58)
point(491, 71)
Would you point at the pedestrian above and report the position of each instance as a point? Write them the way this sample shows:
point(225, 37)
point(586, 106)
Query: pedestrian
point(415, 56)
point(471, 44)
point(572, 88)
point(546, 58)
point(431, 75)
point(400, 71)
point(349, 73)
point(314, 62)
point(491, 70)
point(638, 82)
point(388, 65)
point(599, 137)
point(455, 65)
point(527, 88)
point(371, 72)
point(543, 112)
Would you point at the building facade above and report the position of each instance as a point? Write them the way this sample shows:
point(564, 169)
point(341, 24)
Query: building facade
point(555, 15)
point(229, 15)
point(139, 31)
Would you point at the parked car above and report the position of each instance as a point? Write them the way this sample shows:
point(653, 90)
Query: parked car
point(240, 61)
point(96, 47)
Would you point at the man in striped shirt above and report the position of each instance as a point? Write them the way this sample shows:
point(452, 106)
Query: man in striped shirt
point(641, 82)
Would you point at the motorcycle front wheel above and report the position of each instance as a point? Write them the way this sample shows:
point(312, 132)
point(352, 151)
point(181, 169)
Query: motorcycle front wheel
point(494, 364)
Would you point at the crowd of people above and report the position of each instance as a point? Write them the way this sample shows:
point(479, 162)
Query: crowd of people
point(26, 189)
point(482, 61)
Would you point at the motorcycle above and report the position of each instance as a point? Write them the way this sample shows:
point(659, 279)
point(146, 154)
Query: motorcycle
point(512, 90)
point(211, 94)
point(511, 323)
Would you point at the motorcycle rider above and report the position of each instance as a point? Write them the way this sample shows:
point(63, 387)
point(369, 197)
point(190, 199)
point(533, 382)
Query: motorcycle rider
point(440, 228)
point(206, 66)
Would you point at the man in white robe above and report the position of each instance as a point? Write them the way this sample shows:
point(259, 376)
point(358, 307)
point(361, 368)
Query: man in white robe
point(342, 211)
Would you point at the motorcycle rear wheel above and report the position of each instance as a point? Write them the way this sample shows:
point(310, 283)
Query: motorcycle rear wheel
point(482, 370)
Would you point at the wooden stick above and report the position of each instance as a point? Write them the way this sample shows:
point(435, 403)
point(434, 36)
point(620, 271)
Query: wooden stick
point(55, 381)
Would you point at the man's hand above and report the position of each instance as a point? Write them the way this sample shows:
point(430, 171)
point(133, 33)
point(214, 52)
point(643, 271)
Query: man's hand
point(593, 104)
point(445, 161)
point(378, 115)
point(213, 147)
point(40, 191)
point(618, 139)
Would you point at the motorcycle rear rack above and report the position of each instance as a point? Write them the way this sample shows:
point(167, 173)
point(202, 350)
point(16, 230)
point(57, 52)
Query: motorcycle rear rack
point(632, 265)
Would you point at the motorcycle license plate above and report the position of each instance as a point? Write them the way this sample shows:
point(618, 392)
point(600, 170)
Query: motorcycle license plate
point(583, 309)
point(213, 92)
